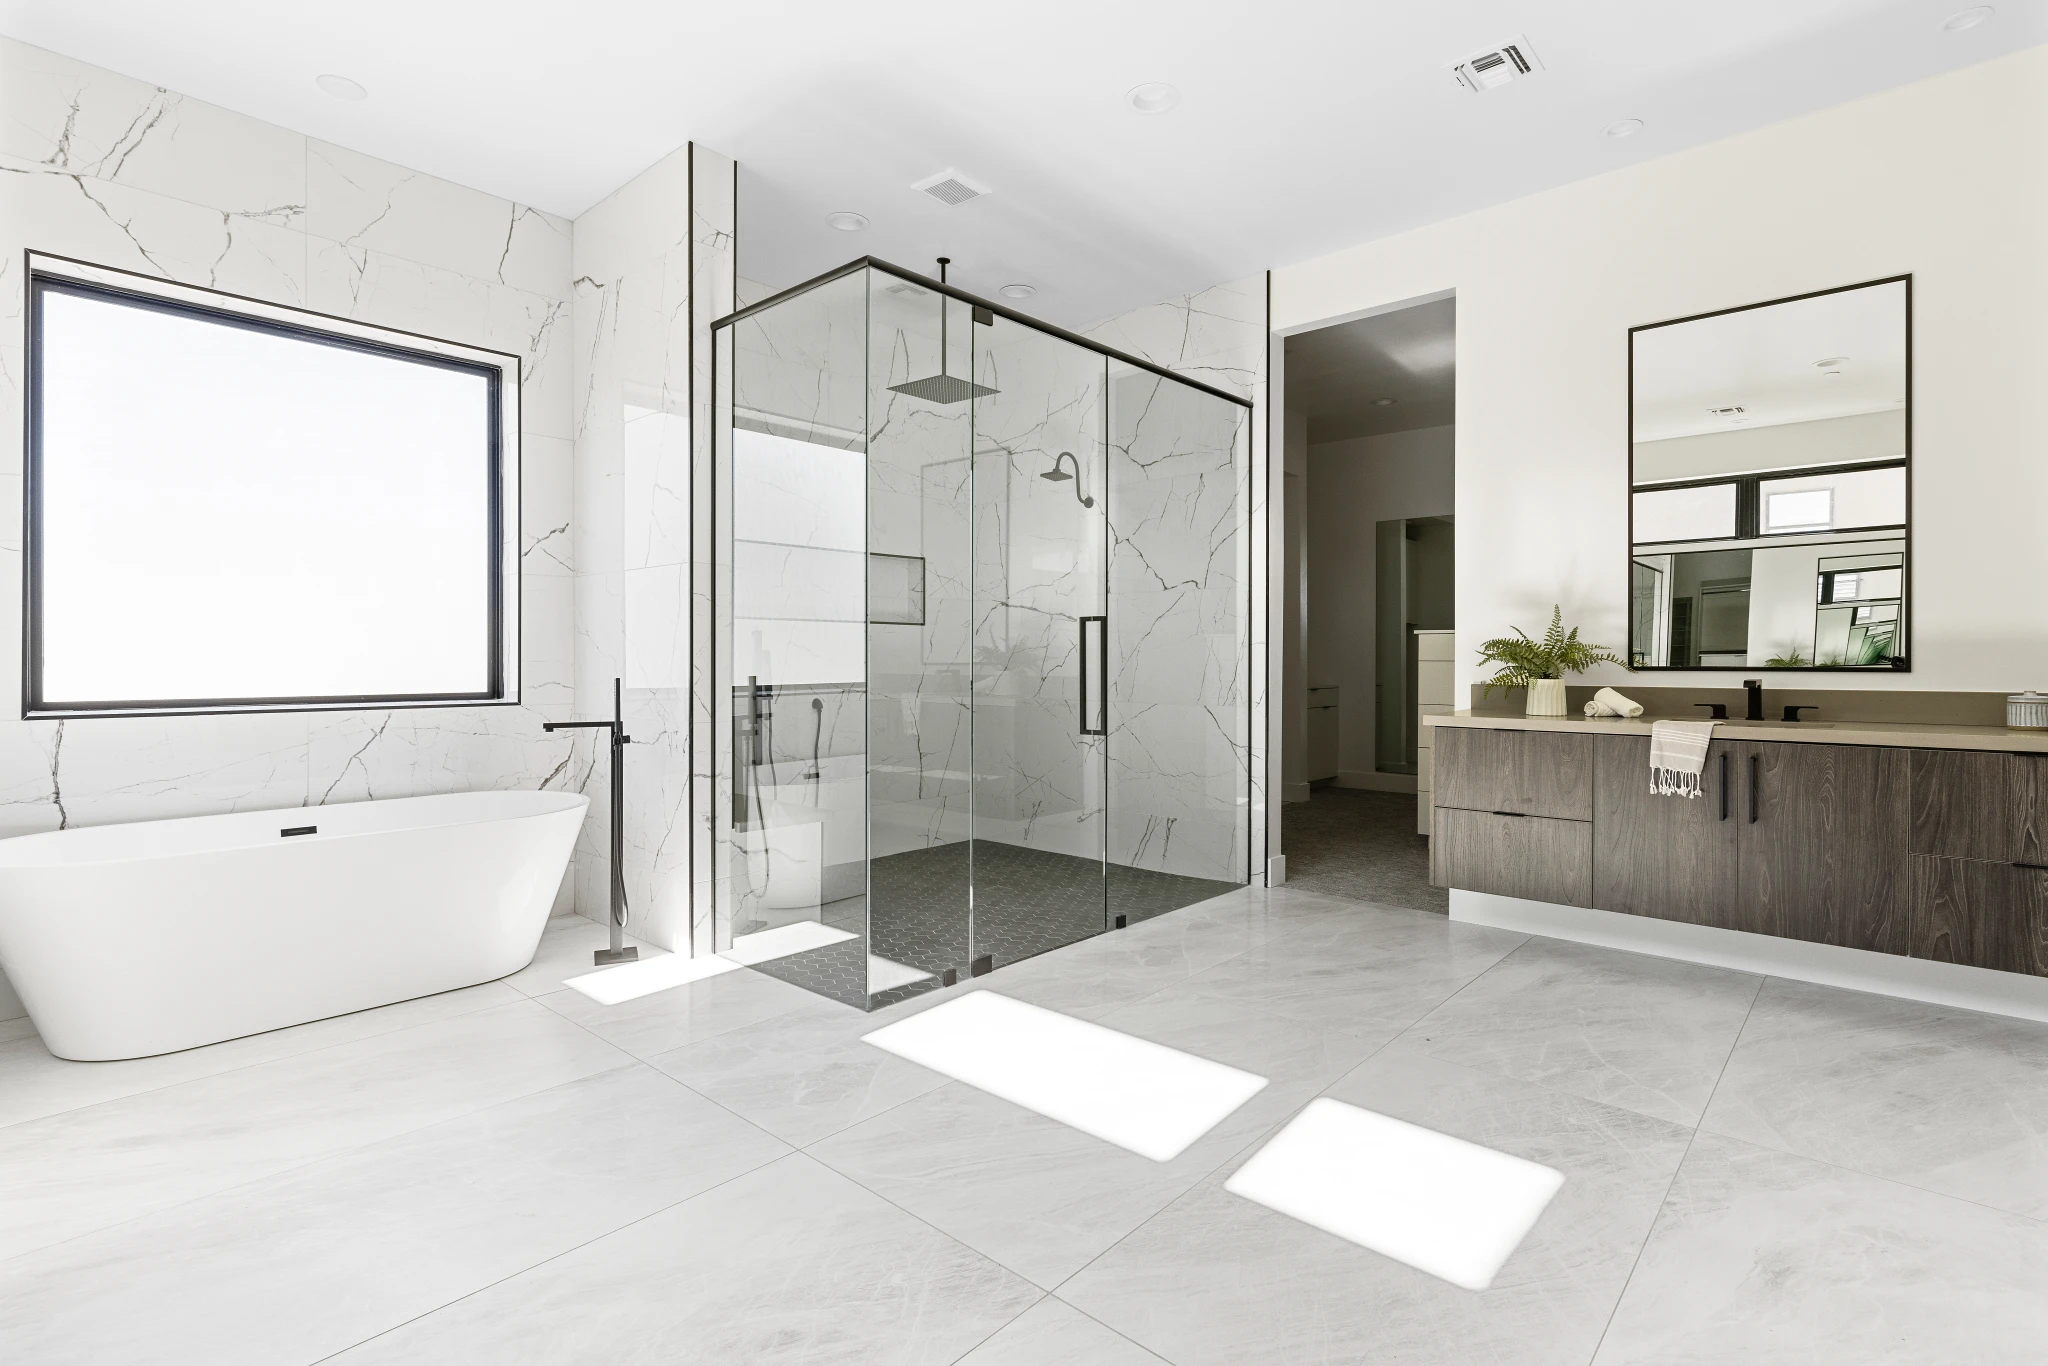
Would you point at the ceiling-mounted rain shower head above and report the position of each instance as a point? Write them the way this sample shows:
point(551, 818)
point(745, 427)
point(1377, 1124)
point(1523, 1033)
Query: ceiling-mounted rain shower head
point(942, 388)
point(1059, 476)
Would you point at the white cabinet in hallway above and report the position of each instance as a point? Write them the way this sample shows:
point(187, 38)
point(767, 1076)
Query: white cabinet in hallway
point(1434, 667)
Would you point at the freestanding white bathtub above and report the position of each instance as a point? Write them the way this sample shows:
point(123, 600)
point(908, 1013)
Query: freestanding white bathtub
point(128, 940)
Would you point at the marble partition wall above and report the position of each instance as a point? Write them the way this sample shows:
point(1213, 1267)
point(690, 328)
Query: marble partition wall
point(1217, 336)
point(114, 171)
point(653, 263)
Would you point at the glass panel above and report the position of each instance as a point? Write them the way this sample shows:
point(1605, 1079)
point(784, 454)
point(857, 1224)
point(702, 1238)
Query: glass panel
point(1775, 607)
point(919, 449)
point(1696, 514)
point(1835, 502)
point(789, 652)
point(1039, 564)
point(1179, 666)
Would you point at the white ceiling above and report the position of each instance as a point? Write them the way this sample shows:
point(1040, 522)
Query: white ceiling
point(1306, 125)
point(1339, 375)
point(1767, 362)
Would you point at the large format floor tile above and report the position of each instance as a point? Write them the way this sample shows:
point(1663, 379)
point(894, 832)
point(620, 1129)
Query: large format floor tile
point(565, 951)
point(1043, 1199)
point(1370, 970)
point(1945, 1099)
point(33, 1083)
point(1763, 1257)
point(669, 1019)
point(1054, 1333)
point(1218, 1279)
point(1648, 1034)
point(788, 1264)
point(801, 1076)
point(308, 1262)
point(82, 1170)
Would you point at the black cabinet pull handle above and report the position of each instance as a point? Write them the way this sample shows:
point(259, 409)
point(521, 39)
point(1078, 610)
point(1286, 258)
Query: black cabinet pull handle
point(2041, 867)
point(1511, 813)
point(1724, 784)
point(1752, 788)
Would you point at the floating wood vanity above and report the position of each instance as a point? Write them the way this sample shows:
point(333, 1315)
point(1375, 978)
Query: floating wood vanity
point(1925, 841)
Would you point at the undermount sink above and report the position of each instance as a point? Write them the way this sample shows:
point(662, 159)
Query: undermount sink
point(1787, 725)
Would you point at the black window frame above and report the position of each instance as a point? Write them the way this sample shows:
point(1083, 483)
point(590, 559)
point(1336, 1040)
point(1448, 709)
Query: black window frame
point(151, 294)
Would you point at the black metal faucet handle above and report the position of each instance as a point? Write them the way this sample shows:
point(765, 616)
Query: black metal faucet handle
point(1719, 710)
point(1792, 713)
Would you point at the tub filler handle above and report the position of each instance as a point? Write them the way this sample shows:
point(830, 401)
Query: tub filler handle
point(620, 951)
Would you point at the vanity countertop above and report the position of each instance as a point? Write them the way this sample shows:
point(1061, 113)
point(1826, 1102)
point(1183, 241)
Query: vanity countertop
point(1819, 731)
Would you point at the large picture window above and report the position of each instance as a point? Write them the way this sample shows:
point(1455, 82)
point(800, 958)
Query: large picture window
point(232, 506)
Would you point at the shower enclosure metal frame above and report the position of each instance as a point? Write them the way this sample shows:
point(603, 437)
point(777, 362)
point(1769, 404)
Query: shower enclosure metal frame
point(1094, 627)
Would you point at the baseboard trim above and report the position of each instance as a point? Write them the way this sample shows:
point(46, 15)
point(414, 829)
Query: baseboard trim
point(1883, 974)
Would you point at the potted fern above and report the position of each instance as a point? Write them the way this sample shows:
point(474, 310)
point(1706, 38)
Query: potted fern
point(1540, 665)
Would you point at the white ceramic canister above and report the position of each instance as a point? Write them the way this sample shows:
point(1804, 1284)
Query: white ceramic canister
point(2027, 711)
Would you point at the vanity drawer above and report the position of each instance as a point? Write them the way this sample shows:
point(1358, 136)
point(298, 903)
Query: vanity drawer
point(1526, 856)
point(1527, 772)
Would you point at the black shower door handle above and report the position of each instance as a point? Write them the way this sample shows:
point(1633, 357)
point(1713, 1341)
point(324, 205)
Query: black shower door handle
point(1094, 675)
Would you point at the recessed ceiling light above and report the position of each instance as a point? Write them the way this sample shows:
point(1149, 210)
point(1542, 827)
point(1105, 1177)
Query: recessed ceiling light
point(1623, 128)
point(1383, 403)
point(341, 87)
point(1154, 98)
point(1968, 18)
point(1018, 291)
point(846, 220)
point(1829, 363)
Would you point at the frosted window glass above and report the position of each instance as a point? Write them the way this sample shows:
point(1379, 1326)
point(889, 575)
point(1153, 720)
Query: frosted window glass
point(231, 514)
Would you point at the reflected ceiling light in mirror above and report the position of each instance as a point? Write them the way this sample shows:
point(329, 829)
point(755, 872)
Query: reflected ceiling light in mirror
point(1018, 291)
point(1383, 403)
point(1142, 1096)
point(341, 87)
point(846, 220)
point(1155, 97)
point(1442, 1205)
point(1623, 128)
point(1967, 19)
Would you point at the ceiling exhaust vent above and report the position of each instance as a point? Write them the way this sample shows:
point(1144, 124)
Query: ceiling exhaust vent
point(1485, 70)
point(949, 187)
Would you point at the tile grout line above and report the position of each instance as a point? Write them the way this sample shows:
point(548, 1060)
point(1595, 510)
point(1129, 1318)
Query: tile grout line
point(1664, 1200)
point(553, 1257)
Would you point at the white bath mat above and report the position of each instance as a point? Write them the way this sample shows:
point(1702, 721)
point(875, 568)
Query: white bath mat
point(783, 941)
point(1441, 1205)
point(1139, 1095)
point(885, 973)
point(629, 981)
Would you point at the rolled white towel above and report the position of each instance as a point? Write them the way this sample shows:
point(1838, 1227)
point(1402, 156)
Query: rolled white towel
point(1608, 702)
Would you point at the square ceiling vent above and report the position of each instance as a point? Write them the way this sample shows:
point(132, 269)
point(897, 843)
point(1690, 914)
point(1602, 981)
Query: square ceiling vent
point(949, 187)
point(1496, 66)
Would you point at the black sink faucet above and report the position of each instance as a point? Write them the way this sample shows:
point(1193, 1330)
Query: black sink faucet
point(1753, 691)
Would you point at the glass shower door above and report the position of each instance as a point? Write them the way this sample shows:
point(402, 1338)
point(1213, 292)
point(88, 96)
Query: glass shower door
point(1040, 551)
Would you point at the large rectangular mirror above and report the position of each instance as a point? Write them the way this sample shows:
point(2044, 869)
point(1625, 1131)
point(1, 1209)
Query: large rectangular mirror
point(1770, 454)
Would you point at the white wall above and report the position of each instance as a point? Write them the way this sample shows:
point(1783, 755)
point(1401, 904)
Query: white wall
point(1352, 486)
point(1947, 179)
point(110, 170)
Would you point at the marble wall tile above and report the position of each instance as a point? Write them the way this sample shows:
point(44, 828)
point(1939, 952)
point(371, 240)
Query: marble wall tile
point(361, 201)
point(111, 129)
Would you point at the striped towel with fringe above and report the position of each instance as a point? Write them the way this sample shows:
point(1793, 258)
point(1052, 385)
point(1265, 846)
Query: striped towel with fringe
point(1678, 751)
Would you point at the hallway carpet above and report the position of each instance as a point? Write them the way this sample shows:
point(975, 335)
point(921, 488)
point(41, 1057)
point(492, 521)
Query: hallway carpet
point(1360, 845)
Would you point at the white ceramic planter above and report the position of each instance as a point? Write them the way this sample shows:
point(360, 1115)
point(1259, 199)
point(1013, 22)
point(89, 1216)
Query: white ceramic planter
point(1546, 697)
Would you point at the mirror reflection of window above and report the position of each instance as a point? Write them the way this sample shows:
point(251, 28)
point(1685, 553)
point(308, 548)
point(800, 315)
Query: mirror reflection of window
point(1766, 441)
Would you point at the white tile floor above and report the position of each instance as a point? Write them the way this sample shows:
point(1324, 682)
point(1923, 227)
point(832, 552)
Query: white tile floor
point(1755, 1170)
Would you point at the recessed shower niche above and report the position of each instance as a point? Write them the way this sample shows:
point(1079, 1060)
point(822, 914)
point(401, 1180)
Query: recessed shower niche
point(982, 637)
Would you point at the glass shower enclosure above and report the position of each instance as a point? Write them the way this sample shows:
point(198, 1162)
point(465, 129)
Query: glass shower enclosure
point(981, 650)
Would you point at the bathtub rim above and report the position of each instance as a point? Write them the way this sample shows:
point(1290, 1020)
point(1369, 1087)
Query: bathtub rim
point(13, 848)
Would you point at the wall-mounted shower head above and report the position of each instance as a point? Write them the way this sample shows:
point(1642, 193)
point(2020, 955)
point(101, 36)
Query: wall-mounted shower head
point(1059, 476)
